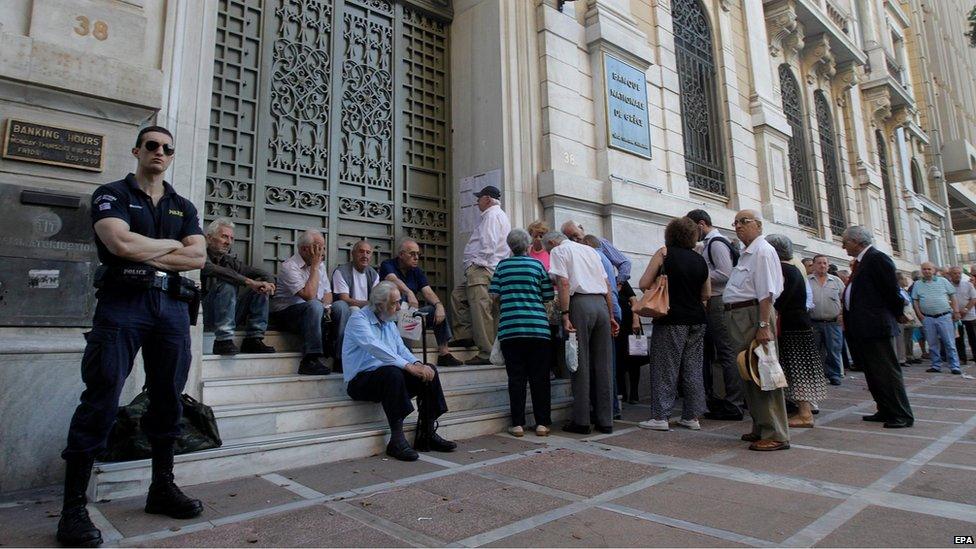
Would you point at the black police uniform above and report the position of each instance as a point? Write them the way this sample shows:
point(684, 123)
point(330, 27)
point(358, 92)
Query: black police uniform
point(128, 318)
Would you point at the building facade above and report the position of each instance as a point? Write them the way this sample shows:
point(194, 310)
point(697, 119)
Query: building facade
point(373, 118)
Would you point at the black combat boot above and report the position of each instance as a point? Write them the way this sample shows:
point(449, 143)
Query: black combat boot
point(75, 529)
point(165, 498)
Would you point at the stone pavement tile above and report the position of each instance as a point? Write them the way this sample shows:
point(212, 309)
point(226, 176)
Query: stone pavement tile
point(678, 443)
point(837, 403)
point(316, 526)
point(220, 499)
point(749, 509)
point(459, 486)
point(813, 464)
point(30, 524)
point(881, 527)
point(864, 441)
point(969, 405)
point(600, 528)
point(635, 413)
point(575, 472)
point(941, 414)
point(958, 454)
point(932, 481)
point(921, 428)
point(488, 447)
point(331, 478)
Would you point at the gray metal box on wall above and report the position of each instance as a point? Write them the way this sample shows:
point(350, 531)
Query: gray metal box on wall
point(47, 258)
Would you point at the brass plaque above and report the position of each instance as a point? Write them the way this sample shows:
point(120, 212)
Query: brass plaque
point(52, 145)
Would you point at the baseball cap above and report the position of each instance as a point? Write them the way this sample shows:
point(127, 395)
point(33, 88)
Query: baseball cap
point(491, 191)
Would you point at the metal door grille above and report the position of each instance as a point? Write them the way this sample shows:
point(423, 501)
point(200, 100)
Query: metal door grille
point(704, 162)
point(832, 175)
point(333, 115)
point(804, 198)
point(884, 168)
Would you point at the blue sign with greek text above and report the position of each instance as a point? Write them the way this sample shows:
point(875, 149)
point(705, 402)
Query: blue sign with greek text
point(626, 92)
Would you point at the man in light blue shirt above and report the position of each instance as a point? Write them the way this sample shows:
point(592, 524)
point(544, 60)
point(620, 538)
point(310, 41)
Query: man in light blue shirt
point(935, 304)
point(378, 367)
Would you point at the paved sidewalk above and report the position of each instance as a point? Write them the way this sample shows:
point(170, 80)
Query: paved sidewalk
point(845, 483)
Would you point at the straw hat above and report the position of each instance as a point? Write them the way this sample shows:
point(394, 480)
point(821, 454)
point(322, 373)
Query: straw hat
point(749, 364)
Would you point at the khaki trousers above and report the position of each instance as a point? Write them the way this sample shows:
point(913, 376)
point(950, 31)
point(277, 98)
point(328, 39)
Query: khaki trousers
point(474, 314)
point(767, 408)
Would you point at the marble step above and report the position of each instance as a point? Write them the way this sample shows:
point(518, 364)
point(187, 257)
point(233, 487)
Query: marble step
point(243, 420)
point(280, 363)
point(260, 455)
point(289, 342)
point(291, 387)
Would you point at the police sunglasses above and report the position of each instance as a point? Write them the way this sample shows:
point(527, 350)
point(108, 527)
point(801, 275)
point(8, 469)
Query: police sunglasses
point(151, 146)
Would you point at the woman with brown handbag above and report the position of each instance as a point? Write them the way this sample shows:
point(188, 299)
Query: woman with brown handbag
point(677, 281)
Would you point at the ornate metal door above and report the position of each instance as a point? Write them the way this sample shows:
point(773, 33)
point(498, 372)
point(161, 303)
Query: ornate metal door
point(804, 199)
point(889, 194)
point(332, 115)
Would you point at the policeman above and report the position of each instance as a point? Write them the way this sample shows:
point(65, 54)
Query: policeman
point(146, 235)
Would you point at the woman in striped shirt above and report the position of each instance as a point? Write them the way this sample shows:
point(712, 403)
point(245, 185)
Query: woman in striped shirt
point(522, 286)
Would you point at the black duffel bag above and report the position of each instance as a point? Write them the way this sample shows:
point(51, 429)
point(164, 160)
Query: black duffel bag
point(127, 441)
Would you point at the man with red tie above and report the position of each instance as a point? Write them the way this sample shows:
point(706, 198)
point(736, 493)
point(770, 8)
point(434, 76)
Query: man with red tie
point(872, 309)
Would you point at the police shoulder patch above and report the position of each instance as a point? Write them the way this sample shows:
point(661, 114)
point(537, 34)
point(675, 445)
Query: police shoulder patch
point(177, 213)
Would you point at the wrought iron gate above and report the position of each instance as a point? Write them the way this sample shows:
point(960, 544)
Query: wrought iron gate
point(333, 115)
point(804, 198)
point(890, 208)
point(832, 175)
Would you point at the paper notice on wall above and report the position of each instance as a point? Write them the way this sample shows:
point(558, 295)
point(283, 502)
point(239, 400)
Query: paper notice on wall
point(469, 213)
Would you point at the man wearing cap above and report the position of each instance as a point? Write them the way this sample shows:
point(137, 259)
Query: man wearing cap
point(474, 322)
point(753, 286)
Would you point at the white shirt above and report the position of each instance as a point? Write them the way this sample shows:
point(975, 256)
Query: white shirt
point(847, 289)
point(487, 244)
point(292, 278)
point(719, 271)
point(359, 291)
point(758, 274)
point(581, 265)
point(964, 292)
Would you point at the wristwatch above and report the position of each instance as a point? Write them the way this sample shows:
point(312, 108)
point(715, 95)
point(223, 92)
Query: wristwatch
point(763, 324)
point(563, 313)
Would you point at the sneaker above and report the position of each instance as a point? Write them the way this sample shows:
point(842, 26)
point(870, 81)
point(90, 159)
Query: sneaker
point(933, 370)
point(516, 431)
point(448, 360)
point(957, 372)
point(255, 345)
point(313, 365)
point(225, 347)
point(690, 424)
point(541, 431)
point(655, 425)
point(835, 381)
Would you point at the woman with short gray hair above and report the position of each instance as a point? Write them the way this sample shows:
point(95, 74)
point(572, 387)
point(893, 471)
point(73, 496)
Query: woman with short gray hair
point(522, 286)
point(798, 352)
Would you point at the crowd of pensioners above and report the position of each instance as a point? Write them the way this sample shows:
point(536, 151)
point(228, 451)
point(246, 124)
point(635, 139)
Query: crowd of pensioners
point(525, 292)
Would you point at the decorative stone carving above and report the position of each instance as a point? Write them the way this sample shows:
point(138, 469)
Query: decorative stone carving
point(877, 102)
point(818, 60)
point(784, 30)
point(726, 4)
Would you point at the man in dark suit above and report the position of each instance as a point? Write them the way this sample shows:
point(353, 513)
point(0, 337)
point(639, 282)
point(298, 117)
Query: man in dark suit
point(872, 309)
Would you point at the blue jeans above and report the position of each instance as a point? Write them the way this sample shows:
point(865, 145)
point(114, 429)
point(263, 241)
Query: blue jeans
point(308, 320)
point(830, 341)
point(223, 309)
point(341, 311)
point(941, 331)
point(442, 331)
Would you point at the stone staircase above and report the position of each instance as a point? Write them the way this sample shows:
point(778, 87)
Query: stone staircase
point(271, 418)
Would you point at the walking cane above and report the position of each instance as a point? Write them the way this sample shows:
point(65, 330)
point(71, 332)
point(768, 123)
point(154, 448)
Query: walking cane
point(423, 337)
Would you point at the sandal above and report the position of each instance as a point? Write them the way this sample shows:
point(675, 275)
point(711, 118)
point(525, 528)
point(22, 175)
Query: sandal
point(769, 446)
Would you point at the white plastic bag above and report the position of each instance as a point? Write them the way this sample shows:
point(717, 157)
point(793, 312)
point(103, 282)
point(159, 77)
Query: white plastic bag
point(497, 358)
point(771, 374)
point(410, 326)
point(637, 345)
point(572, 353)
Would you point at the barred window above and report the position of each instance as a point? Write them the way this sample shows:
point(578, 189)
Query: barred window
point(700, 118)
point(884, 168)
point(832, 175)
point(804, 197)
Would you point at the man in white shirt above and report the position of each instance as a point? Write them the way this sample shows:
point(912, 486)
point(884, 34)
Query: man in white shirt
point(965, 300)
point(302, 299)
point(474, 321)
point(723, 384)
point(753, 285)
point(352, 284)
point(586, 308)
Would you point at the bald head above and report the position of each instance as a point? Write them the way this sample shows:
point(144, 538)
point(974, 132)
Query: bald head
point(748, 226)
point(928, 270)
point(572, 230)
